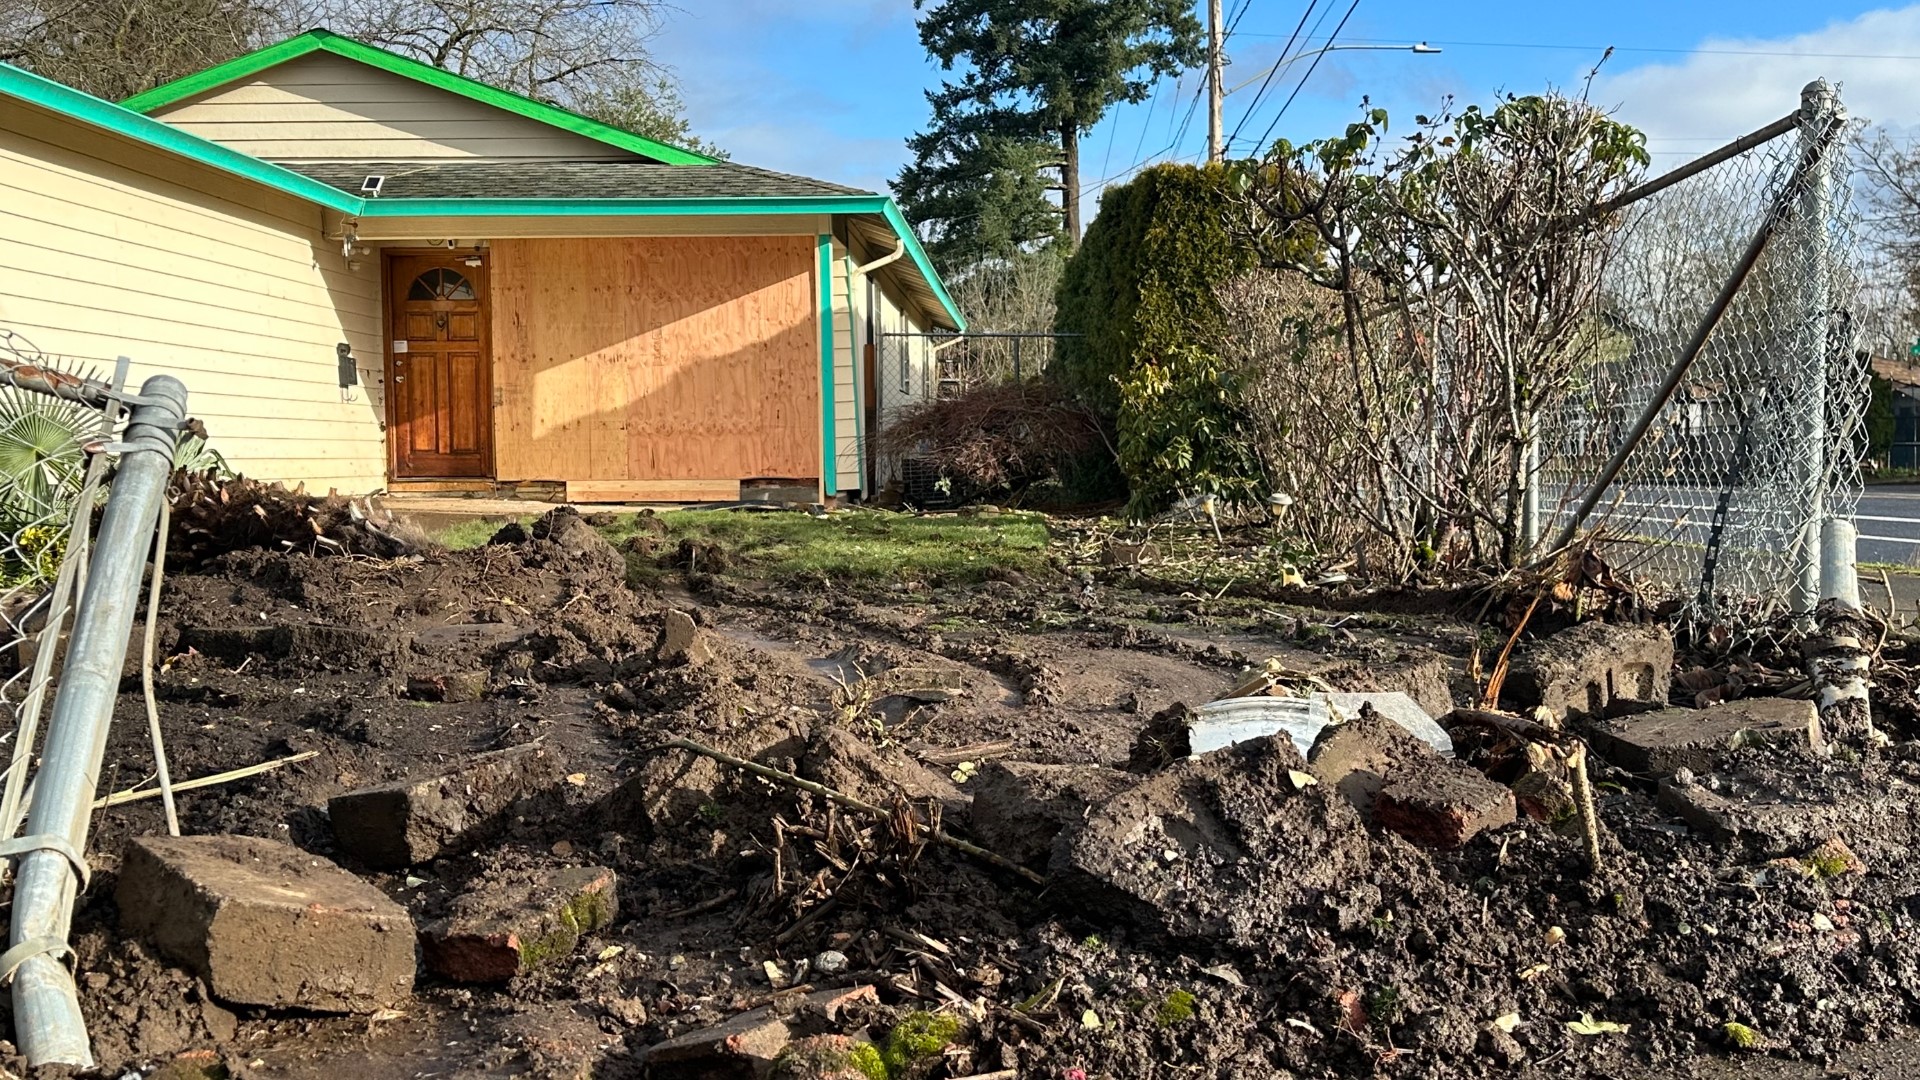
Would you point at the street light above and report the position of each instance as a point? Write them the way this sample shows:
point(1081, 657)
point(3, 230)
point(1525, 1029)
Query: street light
point(1420, 47)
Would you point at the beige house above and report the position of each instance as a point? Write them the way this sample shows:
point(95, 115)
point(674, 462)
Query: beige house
point(373, 274)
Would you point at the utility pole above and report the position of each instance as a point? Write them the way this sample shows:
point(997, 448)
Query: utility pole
point(1216, 93)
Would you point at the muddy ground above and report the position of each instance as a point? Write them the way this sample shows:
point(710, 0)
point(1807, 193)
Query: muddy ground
point(1405, 963)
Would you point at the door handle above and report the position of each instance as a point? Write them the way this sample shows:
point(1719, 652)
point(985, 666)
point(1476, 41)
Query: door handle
point(399, 378)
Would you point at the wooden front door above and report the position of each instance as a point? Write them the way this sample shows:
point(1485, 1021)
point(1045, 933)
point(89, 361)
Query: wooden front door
point(439, 373)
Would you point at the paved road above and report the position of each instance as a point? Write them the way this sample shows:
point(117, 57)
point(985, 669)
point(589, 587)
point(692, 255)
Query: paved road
point(1888, 520)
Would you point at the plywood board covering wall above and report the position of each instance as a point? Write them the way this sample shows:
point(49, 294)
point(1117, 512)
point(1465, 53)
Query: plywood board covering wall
point(655, 358)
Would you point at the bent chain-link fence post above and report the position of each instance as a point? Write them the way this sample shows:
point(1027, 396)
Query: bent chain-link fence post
point(52, 867)
point(1722, 420)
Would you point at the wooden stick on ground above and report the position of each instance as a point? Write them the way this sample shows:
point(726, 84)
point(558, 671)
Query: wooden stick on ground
point(119, 798)
point(825, 792)
point(1583, 800)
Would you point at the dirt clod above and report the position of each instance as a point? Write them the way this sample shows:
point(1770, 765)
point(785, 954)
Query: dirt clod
point(1019, 807)
point(394, 825)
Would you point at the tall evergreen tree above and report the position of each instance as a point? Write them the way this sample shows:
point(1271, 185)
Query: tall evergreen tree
point(1034, 77)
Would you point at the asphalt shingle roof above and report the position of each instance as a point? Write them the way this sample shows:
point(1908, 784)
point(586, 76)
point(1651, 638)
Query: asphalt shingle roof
point(565, 180)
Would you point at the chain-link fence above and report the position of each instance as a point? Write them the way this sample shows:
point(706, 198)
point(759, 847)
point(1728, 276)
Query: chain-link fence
point(70, 454)
point(1726, 390)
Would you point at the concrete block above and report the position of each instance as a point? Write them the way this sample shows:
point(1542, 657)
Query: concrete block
point(391, 826)
point(267, 924)
point(1661, 741)
point(1579, 671)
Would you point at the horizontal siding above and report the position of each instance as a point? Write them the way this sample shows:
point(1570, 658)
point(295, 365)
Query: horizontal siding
point(105, 251)
point(845, 344)
point(322, 107)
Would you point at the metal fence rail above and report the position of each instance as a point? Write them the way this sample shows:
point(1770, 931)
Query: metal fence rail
point(59, 465)
point(1724, 416)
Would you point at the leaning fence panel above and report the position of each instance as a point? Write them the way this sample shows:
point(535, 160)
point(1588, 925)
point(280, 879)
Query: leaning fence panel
point(1722, 495)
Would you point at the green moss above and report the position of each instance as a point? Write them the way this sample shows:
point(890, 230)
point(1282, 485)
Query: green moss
point(588, 911)
point(1740, 1036)
point(918, 1037)
point(1824, 865)
point(866, 1058)
point(1179, 1007)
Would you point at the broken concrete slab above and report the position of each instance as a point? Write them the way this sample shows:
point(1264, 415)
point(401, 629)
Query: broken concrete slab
point(1020, 807)
point(267, 924)
point(1661, 741)
point(390, 826)
point(1442, 807)
point(1770, 821)
point(1227, 846)
point(506, 929)
point(681, 641)
point(1579, 671)
point(746, 1046)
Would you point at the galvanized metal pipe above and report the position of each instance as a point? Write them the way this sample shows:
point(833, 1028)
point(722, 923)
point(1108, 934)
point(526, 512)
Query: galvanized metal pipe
point(46, 1011)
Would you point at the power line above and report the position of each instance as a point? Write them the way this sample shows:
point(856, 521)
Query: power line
point(1626, 48)
point(1284, 49)
point(1310, 70)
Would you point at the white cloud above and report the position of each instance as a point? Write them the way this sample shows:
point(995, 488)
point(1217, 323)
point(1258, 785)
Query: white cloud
point(1728, 87)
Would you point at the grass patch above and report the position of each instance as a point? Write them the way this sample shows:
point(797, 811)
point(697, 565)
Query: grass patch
point(470, 533)
point(855, 546)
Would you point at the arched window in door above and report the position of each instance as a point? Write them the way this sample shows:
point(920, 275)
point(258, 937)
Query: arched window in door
point(441, 283)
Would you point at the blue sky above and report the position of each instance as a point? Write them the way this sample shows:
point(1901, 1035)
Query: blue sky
point(832, 88)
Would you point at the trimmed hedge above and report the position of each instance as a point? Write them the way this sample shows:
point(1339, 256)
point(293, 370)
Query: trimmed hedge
point(1142, 293)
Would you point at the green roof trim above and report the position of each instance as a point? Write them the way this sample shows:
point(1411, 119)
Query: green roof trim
point(65, 100)
point(325, 41)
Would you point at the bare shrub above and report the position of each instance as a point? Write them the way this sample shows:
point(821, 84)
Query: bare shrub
point(996, 436)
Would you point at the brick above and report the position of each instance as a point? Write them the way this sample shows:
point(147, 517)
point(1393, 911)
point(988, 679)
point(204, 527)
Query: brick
point(267, 924)
point(746, 1046)
point(391, 826)
point(1443, 807)
point(1020, 807)
point(496, 933)
point(1664, 740)
point(1579, 671)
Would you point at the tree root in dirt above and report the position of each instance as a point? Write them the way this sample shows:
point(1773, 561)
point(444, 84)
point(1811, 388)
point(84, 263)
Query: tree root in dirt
point(938, 836)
